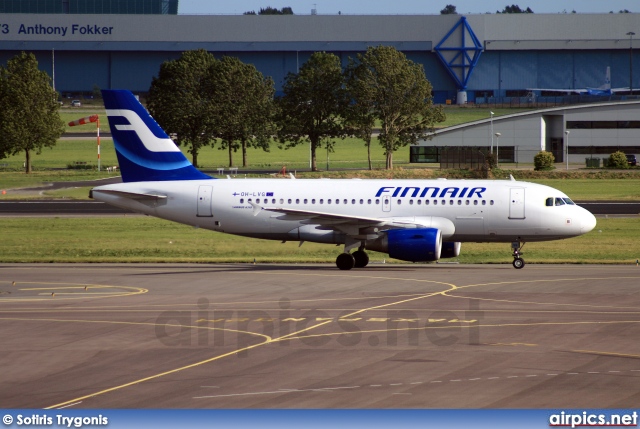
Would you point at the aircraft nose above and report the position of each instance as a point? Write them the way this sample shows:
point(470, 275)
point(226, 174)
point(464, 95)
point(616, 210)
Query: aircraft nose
point(588, 222)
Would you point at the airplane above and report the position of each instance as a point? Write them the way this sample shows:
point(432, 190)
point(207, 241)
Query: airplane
point(604, 89)
point(410, 220)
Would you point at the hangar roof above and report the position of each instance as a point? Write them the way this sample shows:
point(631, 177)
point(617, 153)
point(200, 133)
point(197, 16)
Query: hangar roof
point(327, 32)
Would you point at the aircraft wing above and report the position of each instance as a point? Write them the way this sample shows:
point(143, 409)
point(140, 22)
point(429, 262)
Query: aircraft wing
point(358, 226)
point(566, 91)
point(627, 89)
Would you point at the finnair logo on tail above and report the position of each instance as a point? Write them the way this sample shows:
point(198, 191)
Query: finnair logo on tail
point(137, 125)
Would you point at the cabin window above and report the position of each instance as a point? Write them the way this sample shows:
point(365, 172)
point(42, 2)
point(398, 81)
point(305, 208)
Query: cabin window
point(419, 202)
point(297, 201)
point(289, 201)
point(459, 202)
point(549, 202)
point(475, 202)
point(491, 202)
point(345, 201)
point(313, 201)
point(305, 201)
point(444, 203)
point(369, 201)
point(484, 203)
point(426, 202)
point(467, 203)
point(329, 201)
point(377, 201)
point(274, 201)
point(241, 200)
point(321, 201)
point(399, 202)
point(410, 202)
point(353, 201)
point(361, 201)
point(337, 201)
point(435, 202)
point(450, 202)
point(258, 201)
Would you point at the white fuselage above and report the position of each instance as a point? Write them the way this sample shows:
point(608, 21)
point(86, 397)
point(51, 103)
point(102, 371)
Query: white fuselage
point(480, 210)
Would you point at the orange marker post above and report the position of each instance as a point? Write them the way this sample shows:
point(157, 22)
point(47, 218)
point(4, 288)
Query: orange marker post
point(88, 120)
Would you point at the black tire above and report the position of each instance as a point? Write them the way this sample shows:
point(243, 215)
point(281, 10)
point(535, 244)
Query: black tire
point(345, 261)
point(361, 258)
point(518, 263)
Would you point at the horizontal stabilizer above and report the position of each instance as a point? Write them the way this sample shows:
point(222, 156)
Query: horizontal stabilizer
point(130, 195)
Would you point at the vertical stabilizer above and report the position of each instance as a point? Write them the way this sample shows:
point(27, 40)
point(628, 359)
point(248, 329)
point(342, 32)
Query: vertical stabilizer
point(145, 152)
point(607, 80)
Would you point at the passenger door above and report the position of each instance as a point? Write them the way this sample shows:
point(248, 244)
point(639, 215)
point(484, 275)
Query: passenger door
point(516, 204)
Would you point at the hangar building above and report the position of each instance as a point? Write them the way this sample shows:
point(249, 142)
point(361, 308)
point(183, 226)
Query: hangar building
point(474, 58)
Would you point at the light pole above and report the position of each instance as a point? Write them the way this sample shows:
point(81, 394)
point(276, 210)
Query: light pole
point(566, 145)
point(631, 34)
point(491, 113)
point(498, 149)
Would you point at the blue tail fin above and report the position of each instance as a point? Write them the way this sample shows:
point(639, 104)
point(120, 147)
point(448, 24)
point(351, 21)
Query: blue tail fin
point(144, 150)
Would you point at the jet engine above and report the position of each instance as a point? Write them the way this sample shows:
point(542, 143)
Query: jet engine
point(415, 245)
point(450, 249)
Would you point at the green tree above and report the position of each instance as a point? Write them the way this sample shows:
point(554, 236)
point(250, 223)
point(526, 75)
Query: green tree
point(360, 116)
point(449, 10)
point(618, 160)
point(398, 94)
point(240, 105)
point(314, 104)
point(514, 8)
point(543, 161)
point(177, 100)
point(271, 11)
point(29, 110)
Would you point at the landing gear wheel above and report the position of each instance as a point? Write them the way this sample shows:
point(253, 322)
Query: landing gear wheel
point(345, 261)
point(518, 263)
point(361, 258)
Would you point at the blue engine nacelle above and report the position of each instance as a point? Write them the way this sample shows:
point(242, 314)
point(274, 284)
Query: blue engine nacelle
point(415, 245)
point(450, 249)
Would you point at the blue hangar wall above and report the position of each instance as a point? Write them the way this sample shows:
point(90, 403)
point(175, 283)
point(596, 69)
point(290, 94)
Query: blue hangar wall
point(517, 51)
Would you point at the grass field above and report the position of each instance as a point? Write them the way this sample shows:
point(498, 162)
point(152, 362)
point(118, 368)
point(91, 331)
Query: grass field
point(144, 239)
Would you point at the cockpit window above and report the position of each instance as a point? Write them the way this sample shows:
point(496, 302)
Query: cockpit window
point(550, 202)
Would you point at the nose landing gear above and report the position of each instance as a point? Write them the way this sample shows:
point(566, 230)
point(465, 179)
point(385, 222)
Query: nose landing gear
point(518, 262)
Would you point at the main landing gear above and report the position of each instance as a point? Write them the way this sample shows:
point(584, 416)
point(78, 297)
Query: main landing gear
point(357, 259)
point(518, 262)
